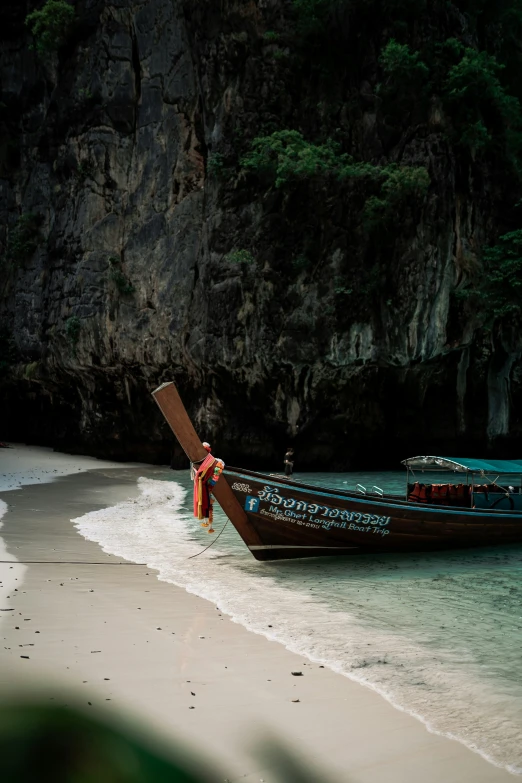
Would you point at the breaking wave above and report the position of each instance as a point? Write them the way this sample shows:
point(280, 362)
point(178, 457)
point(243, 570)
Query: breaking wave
point(438, 635)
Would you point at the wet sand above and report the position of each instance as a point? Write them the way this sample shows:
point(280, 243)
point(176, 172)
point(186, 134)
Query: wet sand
point(113, 635)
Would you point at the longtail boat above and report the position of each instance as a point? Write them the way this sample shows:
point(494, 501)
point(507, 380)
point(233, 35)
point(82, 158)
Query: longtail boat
point(279, 518)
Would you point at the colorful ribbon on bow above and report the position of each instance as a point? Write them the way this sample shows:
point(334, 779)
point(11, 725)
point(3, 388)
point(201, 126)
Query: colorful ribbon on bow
point(207, 476)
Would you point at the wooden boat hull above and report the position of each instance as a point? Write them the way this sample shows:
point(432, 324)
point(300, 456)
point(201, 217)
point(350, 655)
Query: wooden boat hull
point(294, 520)
point(279, 518)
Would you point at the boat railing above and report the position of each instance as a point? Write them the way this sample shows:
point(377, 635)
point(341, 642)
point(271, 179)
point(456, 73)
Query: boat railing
point(374, 491)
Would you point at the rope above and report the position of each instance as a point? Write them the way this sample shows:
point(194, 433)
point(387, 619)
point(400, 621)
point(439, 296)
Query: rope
point(211, 543)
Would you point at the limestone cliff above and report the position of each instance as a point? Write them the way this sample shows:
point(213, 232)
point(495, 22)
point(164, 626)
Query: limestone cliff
point(124, 148)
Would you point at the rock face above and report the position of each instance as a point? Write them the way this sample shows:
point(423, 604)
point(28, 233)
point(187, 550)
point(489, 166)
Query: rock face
point(124, 149)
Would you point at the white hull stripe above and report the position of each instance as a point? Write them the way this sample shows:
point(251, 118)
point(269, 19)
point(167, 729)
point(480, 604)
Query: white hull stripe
point(297, 546)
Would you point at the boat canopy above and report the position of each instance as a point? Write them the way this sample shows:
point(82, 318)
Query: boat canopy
point(465, 465)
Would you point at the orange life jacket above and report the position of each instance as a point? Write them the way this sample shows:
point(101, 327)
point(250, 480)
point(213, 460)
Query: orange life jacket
point(415, 493)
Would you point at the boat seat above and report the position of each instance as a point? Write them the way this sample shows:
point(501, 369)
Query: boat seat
point(498, 500)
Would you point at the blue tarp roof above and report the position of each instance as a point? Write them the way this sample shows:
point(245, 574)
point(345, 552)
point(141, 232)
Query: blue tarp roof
point(465, 464)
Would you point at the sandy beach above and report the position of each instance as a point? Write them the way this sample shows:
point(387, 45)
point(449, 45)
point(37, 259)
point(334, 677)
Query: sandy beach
point(121, 641)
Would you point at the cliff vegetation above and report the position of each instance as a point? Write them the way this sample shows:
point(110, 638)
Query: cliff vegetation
point(305, 212)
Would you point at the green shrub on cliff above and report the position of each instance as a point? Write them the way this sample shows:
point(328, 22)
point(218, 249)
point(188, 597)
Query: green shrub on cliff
point(73, 327)
point(400, 184)
point(319, 19)
point(285, 156)
point(401, 65)
point(239, 257)
point(49, 25)
point(479, 103)
point(118, 277)
point(216, 165)
point(405, 81)
point(301, 262)
point(121, 282)
point(23, 239)
point(498, 293)
point(479, 87)
point(312, 15)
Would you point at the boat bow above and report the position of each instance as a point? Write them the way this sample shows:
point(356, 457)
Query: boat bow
point(172, 408)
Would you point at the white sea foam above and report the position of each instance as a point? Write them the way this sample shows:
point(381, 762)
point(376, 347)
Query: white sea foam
point(438, 636)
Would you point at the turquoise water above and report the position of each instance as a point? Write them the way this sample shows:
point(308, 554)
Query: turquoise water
point(439, 634)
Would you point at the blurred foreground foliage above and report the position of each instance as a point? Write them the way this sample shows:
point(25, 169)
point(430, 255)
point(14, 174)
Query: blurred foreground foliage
point(62, 744)
point(59, 744)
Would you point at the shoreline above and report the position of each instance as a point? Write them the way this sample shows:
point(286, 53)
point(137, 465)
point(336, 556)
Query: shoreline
point(29, 465)
point(345, 729)
point(296, 650)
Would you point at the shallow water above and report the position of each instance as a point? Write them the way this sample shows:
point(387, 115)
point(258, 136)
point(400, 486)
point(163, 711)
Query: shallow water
point(439, 634)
